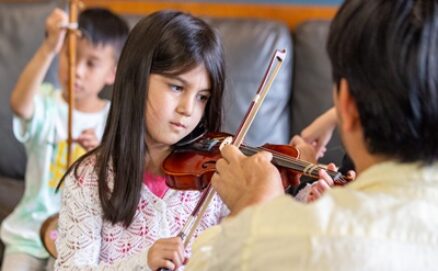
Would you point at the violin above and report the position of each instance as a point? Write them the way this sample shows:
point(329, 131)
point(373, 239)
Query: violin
point(191, 166)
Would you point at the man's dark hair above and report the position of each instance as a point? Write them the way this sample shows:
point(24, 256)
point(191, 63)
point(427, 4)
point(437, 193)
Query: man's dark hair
point(103, 27)
point(387, 51)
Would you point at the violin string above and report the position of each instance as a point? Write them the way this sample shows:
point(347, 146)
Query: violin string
point(296, 164)
point(282, 157)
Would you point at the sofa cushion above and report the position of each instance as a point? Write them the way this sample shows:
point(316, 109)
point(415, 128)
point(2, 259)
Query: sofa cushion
point(11, 191)
point(312, 87)
point(22, 30)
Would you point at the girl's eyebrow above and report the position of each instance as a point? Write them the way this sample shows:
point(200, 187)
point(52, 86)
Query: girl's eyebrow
point(183, 81)
point(178, 78)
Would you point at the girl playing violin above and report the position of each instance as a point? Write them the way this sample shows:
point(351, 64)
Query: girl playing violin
point(116, 210)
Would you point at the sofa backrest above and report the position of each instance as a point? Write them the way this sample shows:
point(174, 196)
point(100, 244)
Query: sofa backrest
point(312, 84)
point(248, 45)
point(21, 33)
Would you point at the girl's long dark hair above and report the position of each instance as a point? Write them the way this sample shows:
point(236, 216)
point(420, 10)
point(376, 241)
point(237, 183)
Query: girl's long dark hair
point(165, 42)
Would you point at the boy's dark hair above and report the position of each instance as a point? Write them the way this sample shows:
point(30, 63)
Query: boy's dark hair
point(387, 51)
point(103, 27)
point(167, 43)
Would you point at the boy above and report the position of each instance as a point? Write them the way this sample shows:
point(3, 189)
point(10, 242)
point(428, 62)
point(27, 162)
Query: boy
point(383, 55)
point(40, 122)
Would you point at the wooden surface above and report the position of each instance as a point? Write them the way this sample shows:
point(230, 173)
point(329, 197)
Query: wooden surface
point(290, 15)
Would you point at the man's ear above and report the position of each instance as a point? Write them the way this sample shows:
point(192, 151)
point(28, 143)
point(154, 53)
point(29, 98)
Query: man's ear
point(347, 108)
point(111, 77)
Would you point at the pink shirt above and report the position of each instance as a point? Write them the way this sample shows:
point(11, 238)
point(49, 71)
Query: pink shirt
point(156, 184)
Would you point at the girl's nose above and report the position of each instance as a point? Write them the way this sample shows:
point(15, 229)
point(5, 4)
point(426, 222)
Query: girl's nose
point(186, 105)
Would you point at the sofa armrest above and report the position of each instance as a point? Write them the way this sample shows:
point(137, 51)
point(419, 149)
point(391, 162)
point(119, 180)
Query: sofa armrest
point(11, 191)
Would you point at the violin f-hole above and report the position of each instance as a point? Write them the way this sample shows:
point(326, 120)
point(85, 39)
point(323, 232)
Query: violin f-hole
point(208, 164)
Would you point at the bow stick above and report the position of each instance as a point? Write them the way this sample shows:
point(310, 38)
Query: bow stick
point(72, 40)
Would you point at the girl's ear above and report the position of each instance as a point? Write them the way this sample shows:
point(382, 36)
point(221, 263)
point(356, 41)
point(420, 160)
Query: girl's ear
point(347, 109)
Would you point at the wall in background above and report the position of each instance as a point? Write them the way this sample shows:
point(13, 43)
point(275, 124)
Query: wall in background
point(287, 13)
point(295, 2)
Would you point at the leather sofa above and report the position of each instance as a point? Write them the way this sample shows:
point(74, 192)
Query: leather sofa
point(300, 93)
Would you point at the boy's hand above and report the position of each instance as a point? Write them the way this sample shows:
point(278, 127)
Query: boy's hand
point(166, 253)
point(55, 28)
point(87, 139)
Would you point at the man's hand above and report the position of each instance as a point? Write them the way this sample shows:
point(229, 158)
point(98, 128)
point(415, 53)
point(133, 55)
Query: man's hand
point(244, 181)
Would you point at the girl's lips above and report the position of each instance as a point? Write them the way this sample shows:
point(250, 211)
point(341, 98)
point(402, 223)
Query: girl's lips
point(177, 124)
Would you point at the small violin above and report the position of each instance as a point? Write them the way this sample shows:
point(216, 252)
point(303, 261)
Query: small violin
point(190, 167)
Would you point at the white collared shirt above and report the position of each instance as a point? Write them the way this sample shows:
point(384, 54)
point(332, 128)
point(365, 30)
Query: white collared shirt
point(387, 219)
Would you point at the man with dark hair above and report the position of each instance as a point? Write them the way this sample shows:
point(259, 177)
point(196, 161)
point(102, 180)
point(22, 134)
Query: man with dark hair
point(386, 97)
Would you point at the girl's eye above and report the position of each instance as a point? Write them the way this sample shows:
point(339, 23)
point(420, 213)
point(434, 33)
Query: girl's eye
point(176, 87)
point(203, 97)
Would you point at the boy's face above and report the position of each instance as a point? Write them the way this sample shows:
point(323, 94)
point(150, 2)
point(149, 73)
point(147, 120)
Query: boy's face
point(95, 68)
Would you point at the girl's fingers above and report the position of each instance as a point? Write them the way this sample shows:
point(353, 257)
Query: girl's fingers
point(313, 195)
point(174, 256)
point(322, 186)
point(332, 166)
point(166, 253)
point(167, 264)
point(323, 175)
point(351, 174)
point(172, 249)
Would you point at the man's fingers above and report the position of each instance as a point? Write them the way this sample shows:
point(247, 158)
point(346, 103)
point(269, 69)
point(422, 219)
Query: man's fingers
point(220, 165)
point(231, 153)
point(265, 155)
point(216, 180)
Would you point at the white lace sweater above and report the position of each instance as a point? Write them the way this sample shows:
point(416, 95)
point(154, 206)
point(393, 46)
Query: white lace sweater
point(87, 242)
